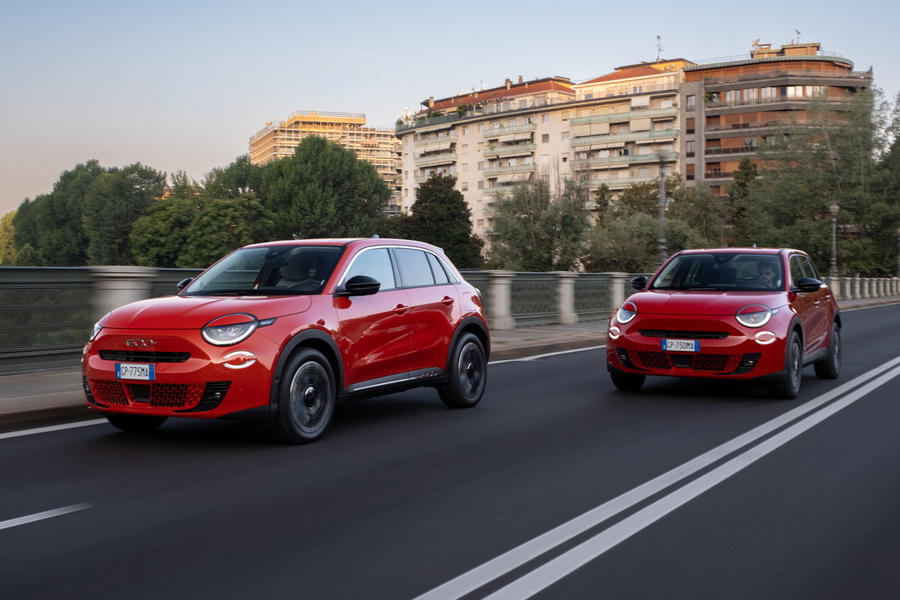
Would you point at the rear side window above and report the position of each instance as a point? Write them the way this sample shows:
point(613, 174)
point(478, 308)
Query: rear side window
point(797, 272)
point(440, 276)
point(414, 268)
point(375, 263)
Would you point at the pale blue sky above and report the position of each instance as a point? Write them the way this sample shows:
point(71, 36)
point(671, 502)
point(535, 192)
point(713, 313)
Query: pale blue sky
point(183, 85)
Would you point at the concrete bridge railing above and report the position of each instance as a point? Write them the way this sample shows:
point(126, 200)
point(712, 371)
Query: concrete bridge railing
point(46, 313)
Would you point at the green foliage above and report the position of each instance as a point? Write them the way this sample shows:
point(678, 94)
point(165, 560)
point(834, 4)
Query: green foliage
point(113, 203)
point(222, 225)
point(739, 205)
point(158, 237)
point(7, 241)
point(440, 216)
point(323, 190)
point(534, 231)
point(702, 212)
point(240, 178)
point(628, 243)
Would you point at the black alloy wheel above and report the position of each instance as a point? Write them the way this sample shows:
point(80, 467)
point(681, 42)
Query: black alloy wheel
point(627, 382)
point(468, 374)
point(830, 366)
point(793, 368)
point(307, 399)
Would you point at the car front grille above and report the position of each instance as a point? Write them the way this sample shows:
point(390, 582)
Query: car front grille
point(144, 356)
point(654, 360)
point(184, 396)
point(725, 363)
point(684, 335)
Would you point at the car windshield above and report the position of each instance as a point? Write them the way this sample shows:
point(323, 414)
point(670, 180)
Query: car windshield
point(721, 271)
point(274, 270)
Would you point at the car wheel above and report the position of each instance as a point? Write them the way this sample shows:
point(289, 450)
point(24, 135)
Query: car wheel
point(830, 367)
point(135, 423)
point(793, 369)
point(626, 382)
point(307, 397)
point(468, 374)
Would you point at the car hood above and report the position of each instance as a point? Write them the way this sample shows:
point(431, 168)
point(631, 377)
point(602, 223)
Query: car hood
point(671, 302)
point(193, 312)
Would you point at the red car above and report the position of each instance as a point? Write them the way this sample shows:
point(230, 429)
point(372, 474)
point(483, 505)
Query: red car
point(732, 313)
point(285, 330)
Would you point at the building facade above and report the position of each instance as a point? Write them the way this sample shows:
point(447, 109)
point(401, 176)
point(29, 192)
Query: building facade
point(379, 147)
point(732, 108)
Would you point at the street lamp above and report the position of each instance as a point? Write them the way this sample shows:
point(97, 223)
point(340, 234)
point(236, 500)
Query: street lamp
point(661, 250)
point(833, 209)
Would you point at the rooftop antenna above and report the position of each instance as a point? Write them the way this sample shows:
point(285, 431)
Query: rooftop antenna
point(659, 47)
point(797, 31)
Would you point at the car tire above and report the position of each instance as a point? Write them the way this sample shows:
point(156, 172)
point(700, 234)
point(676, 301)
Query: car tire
point(135, 423)
point(627, 382)
point(793, 368)
point(467, 376)
point(307, 397)
point(830, 367)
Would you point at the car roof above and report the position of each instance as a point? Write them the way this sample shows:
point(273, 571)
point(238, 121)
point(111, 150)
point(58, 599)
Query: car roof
point(354, 242)
point(741, 250)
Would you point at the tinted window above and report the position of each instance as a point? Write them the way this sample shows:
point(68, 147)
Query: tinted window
point(727, 271)
point(810, 269)
point(440, 276)
point(375, 263)
point(414, 269)
point(797, 272)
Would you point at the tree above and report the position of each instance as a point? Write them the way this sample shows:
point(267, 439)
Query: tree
point(158, 237)
point(739, 203)
point(239, 179)
point(114, 202)
point(323, 190)
point(533, 231)
point(627, 243)
point(7, 242)
point(222, 225)
point(701, 211)
point(440, 216)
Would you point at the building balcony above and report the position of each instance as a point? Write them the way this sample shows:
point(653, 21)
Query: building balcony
point(619, 183)
point(730, 151)
point(433, 160)
point(509, 170)
point(633, 136)
point(496, 132)
point(599, 163)
point(509, 150)
point(716, 174)
point(420, 179)
point(626, 116)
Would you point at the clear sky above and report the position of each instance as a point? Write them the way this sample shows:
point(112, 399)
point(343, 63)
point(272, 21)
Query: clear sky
point(183, 85)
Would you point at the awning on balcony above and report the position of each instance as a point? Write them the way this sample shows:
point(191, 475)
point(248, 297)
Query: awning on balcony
point(609, 145)
point(514, 137)
point(436, 146)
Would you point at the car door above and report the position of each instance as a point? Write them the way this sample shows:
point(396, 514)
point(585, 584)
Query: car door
point(373, 330)
point(434, 307)
point(804, 303)
point(821, 324)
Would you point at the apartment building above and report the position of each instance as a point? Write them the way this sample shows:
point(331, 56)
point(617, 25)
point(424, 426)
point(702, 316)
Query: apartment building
point(616, 130)
point(380, 147)
point(733, 107)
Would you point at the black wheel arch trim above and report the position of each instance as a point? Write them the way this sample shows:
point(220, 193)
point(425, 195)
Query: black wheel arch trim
point(301, 339)
point(465, 325)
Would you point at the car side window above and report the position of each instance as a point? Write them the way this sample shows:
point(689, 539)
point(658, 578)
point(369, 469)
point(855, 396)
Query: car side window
point(810, 268)
point(440, 276)
point(797, 272)
point(374, 263)
point(414, 268)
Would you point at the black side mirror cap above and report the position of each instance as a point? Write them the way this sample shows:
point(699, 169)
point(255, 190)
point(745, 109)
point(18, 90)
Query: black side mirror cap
point(183, 283)
point(639, 282)
point(360, 285)
point(809, 284)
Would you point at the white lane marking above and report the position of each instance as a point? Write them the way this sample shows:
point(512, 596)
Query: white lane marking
point(567, 562)
point(843, 310)
point(37, 430)
point(512, 559)
point(47, 514)
point(537, 356)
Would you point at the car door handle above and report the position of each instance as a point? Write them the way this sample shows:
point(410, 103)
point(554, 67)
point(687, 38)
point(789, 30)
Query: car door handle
point(400, 309)
point(447, 301)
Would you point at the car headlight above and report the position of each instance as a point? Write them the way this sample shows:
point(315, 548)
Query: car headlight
point(230, 329)
point(626, 312)
point(97, 327)
point(755, 315)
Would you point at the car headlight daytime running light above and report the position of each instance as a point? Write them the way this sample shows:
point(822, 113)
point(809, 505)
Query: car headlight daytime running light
point(755, 315)
point(97, 327)
point(229, 329)
point(626, 312)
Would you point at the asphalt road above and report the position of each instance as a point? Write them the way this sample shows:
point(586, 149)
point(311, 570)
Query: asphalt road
point(555, 486)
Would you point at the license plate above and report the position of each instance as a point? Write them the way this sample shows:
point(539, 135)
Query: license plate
point(146, 372)
point(681, 345)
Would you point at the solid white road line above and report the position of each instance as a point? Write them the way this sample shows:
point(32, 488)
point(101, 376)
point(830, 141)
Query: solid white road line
point(47, 514)
point(518, 556)
point(567, 562)
point(537, 356)
point(36, 430)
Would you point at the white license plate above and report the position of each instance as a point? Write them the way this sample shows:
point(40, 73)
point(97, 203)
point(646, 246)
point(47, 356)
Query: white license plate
point(146, 372)
point(681, 345)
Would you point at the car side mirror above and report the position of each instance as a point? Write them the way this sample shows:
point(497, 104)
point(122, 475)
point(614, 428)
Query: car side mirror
point(360, 285)
point(639, 282)
point(183, 283)
point(809, 284)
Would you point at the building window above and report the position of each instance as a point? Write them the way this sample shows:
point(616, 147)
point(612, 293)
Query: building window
point(588, 96)
point(480, 165)
point(465, 147)
point(565, 136)
point(689, 125)
point(465, 167)
point(545, 118)
point(523, 103)
point(545, 138)
point(565, 158)
point(506, 106)
point(465, 130)
point(689, 148)
point(481, 185)
point(465, 186)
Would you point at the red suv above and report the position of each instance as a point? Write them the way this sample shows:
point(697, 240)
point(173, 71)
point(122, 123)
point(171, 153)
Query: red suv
point(285, 330)
point(732, 313)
